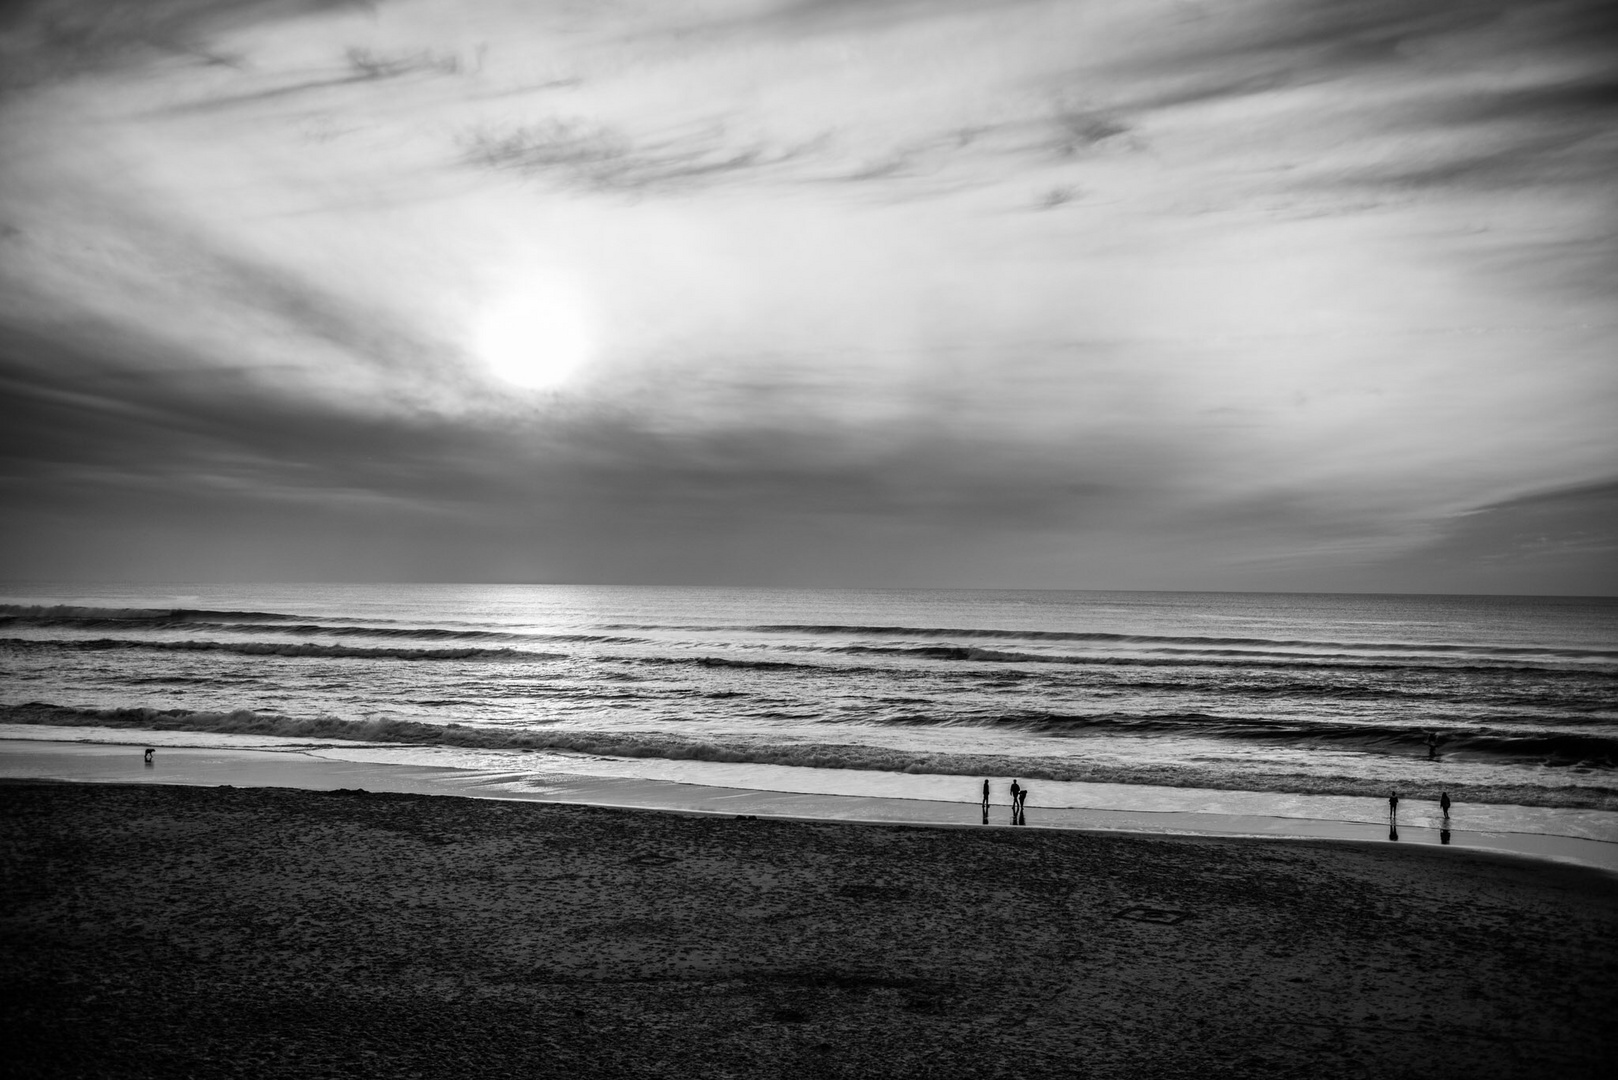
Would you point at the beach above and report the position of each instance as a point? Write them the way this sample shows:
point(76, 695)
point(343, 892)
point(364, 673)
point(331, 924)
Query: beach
point(1499, 701)
point(216, 931)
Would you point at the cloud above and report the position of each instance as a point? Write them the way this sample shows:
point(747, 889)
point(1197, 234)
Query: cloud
point(106, 453)
point(594, 157)
point(46, 40)
point(1556, 541)
point(360, 67)
point(1326, 285)
point(1393, 96)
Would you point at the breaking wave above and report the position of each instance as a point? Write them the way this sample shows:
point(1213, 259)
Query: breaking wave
point(1230, 659)
point(822, 756)
point(1546, 747)
point(145, 618)
point(1151, 640)
point(281, 648)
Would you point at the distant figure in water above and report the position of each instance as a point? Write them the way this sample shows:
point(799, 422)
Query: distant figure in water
point(1393, 812)
point(1015, 789)
point(1443, 804)
point(149, 752)
point(1432, 745)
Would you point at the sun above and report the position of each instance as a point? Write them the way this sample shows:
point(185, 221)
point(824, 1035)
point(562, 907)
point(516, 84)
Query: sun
point(537, 337)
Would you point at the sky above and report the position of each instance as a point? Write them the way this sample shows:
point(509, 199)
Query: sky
point(1286, 295)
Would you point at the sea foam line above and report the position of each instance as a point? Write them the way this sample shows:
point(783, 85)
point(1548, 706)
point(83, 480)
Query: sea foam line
point(810, 755)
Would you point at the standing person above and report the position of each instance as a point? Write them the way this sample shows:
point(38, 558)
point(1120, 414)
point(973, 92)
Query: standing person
point(985, 802)
point(1014, 790)
point(1443, 804)
point(1022, 804)
point(1393, 810)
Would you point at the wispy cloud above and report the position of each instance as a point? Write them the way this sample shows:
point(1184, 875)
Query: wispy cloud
point(1078, 293)
point(52, 40)
point(601, 159)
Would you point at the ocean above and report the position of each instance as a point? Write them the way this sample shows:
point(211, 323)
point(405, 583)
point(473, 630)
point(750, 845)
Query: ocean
point(1503, 700)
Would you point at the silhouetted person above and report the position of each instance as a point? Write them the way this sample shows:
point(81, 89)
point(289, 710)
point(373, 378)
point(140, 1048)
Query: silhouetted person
point(1443, 804)
point(985, 802)
point(1393, 811)
point(149, 752)
point(1022, 804)
point(1015, 789)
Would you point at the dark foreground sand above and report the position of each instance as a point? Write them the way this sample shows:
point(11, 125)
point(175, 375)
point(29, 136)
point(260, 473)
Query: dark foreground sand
point(174, 931)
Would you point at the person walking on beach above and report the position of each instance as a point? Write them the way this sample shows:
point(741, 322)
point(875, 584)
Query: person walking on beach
point(1443, 804)
point(1022, 803)
point(1014, 790)
point(985, 802)
point(1393, 810)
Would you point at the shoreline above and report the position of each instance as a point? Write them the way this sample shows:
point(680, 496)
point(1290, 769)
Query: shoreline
point(160, 930)
point(104, 762)
point(673, 753)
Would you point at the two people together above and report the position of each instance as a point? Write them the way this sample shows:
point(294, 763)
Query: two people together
point(1019, 798)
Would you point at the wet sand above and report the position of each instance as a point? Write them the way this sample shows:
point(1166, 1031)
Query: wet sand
point(164, 930)
point(1516, 830)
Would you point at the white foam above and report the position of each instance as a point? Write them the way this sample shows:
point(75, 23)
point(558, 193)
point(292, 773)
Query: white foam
point(516, 774)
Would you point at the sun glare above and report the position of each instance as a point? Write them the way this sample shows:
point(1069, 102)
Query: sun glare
point(537, 338)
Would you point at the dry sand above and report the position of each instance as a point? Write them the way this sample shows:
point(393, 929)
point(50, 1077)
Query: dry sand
point(175, 931)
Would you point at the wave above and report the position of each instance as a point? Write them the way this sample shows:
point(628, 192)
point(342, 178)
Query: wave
point(389, 632)
point(403, 633)
point(1151, 640)
point(1222, 660)
point(1548, 747)
point(281, 648)
point(1227, 649)
point(261, 622)
point(146, 618)
point(958, 653)
point(1324, 687)
point(823, 756)
point(741, 665)
point(1544, 747)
